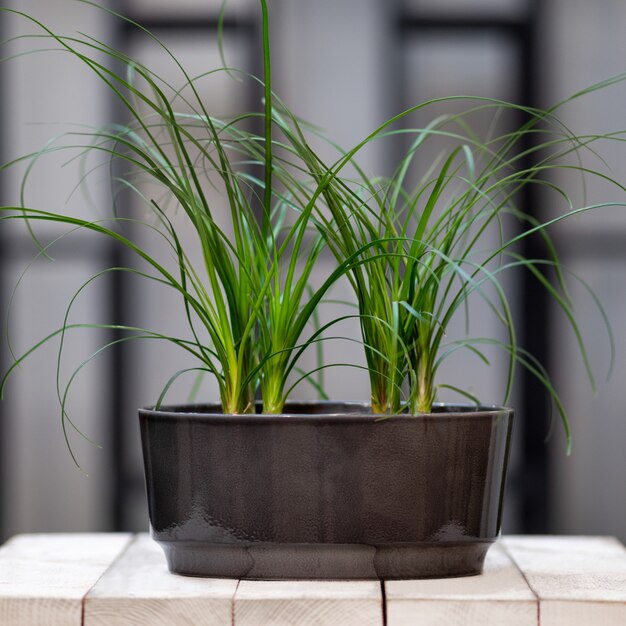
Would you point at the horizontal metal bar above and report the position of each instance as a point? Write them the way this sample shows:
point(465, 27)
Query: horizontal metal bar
point(21, 249)
point(187, 23)
point(585, 244)
point(411, 24)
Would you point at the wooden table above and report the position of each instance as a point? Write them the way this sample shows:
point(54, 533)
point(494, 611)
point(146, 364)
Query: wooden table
point(122, 579)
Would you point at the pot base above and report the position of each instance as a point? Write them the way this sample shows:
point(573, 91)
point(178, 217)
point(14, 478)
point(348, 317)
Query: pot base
point(325, 561)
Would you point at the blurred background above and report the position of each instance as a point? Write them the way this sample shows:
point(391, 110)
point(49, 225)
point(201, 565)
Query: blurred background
point(345, 65)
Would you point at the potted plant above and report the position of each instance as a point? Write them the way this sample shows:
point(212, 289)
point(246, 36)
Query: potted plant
point(257, 485)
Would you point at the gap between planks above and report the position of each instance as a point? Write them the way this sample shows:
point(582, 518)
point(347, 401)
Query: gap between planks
point(131, 539)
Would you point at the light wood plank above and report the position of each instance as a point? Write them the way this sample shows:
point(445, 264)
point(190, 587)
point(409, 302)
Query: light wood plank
point(578, 580)
point(43, 578)
point(499, 596)
point(308, 603)
point(138, 589)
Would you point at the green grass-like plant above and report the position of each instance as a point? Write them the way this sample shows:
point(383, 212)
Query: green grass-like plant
point(250, 303)
point(425, 250)
point(414, 250)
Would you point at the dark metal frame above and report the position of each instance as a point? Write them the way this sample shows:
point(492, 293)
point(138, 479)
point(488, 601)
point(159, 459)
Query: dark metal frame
point(534, 316)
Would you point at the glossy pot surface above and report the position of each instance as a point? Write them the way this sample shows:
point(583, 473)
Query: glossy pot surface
point(325, 491)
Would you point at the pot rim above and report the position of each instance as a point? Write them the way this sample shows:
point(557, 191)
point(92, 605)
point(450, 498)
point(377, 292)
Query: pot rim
point(356, 412)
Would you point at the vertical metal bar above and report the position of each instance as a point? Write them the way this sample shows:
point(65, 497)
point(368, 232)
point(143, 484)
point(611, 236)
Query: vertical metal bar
point(119, 388)
point(535, 322)
point(118, 363)
point(396, 79)
point(255, 97)
point(3, 304)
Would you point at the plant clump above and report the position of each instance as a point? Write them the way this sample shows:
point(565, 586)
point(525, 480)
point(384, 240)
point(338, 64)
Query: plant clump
point(412, 248)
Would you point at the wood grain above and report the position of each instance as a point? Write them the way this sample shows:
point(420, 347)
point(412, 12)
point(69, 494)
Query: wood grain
point(118, 580)
point(308, 603)
point(578, 580)
point(138, 589)
point(499, 596)
point(43, 578)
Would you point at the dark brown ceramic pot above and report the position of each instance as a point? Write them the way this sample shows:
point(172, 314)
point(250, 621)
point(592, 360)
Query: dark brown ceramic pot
point(326, 491)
